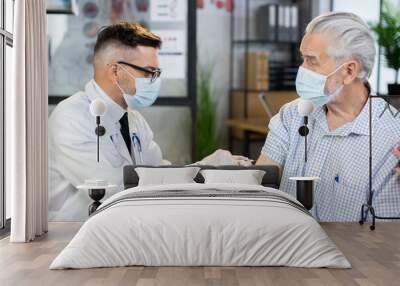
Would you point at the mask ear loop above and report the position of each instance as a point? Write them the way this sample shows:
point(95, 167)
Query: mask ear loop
point(122, 67)
point(133, 77)
point(332, 73)
point(338, 68)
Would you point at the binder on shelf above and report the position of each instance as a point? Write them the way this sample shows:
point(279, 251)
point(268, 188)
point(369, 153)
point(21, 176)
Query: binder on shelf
point(287, 23)
point(278, 23)
point(272, 17)
point(294, 25)
point(281, 23)
point(266, 23)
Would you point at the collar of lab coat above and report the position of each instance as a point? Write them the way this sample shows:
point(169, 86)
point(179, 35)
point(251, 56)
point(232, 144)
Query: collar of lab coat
point(112, 116)
point(114, 110)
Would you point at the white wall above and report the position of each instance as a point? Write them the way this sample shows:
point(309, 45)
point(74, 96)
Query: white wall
point(171, 125)
point(213, 41)
point(368, 10)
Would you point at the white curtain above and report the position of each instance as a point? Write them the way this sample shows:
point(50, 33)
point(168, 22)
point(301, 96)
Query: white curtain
point(26, 123)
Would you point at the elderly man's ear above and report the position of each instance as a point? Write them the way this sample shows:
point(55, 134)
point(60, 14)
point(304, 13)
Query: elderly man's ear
point(351, 71)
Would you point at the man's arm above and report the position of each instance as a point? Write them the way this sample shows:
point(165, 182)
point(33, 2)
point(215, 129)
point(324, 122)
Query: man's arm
point(72, 147)
point(75, 158)
point(276, 147)
point(397, 154)
point(265, 160)
point(151, 151)
point(224, 157)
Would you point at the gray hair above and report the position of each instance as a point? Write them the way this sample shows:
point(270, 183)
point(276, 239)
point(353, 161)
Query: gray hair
point(352, 39)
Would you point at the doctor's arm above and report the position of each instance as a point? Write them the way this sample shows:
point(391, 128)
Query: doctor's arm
point(77, 162)
point(152, 154)
point(73, 153)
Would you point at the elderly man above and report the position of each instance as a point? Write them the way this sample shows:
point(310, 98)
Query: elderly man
point(338, 51)
point(397, 154)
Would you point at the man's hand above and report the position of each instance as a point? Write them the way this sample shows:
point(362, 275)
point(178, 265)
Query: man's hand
point(224, 157)
point(397, 154)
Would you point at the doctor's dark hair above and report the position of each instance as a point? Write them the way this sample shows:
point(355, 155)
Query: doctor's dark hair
point(126, 34)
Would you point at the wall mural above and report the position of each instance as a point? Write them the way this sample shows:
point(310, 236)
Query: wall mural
point(60, 6)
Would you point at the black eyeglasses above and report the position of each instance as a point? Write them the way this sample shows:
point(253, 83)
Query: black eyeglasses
point(154, 72)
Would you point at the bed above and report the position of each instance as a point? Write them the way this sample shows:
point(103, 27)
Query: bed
point(201, 224)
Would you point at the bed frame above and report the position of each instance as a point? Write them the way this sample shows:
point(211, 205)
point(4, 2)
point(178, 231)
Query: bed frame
point(270, 179)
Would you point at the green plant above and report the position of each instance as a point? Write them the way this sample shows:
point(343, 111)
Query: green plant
point(388, 32)
point(206, 138)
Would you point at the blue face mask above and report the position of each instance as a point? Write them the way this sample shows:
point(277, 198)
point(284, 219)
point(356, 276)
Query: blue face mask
point(311, 85)
point(146, 92)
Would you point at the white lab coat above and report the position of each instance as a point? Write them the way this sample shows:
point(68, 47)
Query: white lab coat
point(73, 151)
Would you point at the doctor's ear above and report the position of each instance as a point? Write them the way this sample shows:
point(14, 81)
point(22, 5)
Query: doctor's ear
point(351, 71)
point(112, 71)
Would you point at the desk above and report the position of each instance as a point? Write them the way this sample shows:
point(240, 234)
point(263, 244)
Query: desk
point(256, 125)
point(248, 119)
point(248, 126)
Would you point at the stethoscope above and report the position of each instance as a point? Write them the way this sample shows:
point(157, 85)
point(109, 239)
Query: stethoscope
point(138, 146)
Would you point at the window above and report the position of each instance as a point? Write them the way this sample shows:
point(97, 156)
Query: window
point(9, 15)
point(6, 44)
point(369, 12)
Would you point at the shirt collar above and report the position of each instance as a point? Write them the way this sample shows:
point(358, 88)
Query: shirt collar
point(359, 126)
point(114, 110)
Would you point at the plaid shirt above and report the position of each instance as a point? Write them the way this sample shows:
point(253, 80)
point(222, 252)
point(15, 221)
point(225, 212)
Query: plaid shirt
point(340, 158)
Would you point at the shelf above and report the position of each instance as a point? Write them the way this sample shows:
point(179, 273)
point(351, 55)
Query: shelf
point(257, 125)
point(57, 11)
point(385, 96)
point(264, 41)
point(161, 101)
point(261, 90)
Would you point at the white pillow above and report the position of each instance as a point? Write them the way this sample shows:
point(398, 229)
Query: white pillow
point(166, 176)
point(248, 177)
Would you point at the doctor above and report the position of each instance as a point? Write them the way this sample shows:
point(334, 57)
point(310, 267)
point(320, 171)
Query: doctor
point(338, 53)
point(126, 78)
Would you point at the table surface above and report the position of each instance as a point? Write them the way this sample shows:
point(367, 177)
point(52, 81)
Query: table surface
point(374, 255)
point(257, 125)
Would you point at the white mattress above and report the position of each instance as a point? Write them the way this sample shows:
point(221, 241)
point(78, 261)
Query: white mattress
point(200, 231)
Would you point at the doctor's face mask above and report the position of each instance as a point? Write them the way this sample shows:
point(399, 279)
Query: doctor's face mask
point(147, 91)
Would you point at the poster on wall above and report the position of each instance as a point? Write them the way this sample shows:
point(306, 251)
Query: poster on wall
point(61, 7)
point(172, 56)
point(167, 10)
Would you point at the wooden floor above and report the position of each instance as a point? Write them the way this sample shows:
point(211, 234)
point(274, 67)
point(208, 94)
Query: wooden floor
point(375, 257)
